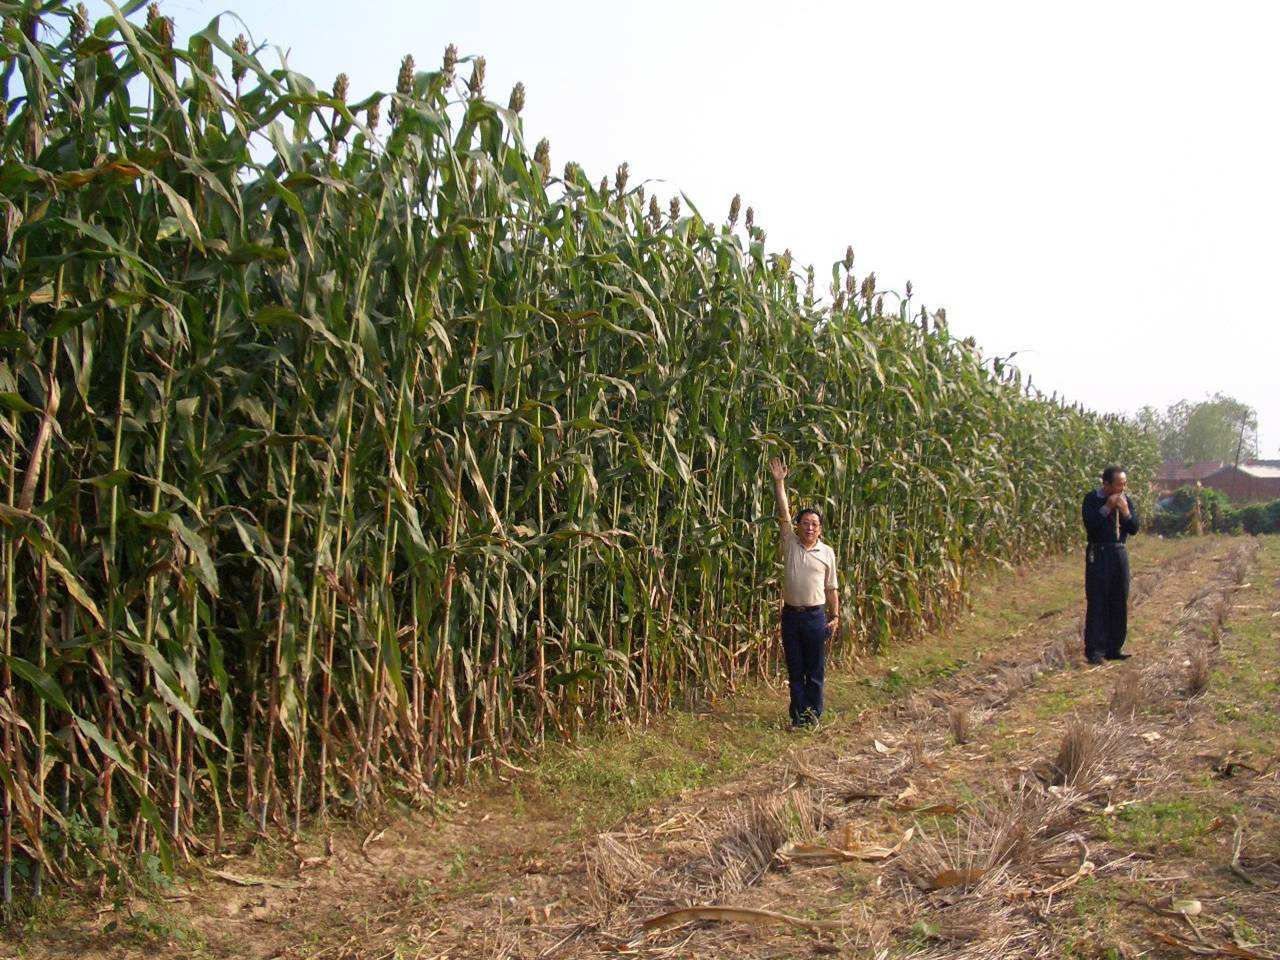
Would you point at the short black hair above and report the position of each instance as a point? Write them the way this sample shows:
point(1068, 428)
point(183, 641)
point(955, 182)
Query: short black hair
point(1109, 472)
point(807, 510)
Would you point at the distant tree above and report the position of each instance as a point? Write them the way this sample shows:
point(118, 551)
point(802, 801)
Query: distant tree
point(1217, 428)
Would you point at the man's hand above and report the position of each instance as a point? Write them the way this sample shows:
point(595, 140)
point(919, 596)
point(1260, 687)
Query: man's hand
point(831, 626)
point(1117, 501)
point(778, 470)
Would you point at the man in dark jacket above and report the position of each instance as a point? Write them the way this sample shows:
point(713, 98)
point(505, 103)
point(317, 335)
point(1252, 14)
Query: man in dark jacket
point(1109, 519)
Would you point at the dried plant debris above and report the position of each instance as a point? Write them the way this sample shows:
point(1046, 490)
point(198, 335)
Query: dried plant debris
point(1199, 670)
point(707, 859)
point(1023, 830)
point(675, 918)
point(1077, 763)
point(960, 723)
point(1126, 696)
point(848, 848)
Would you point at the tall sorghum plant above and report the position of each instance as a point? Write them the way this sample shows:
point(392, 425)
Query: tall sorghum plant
point(338, 457)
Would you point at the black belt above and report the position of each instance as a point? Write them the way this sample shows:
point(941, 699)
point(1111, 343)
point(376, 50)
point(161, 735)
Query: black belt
point(1112, 545)
point(816, 606)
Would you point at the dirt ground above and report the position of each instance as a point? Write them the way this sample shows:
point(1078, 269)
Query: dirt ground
point(977, 792)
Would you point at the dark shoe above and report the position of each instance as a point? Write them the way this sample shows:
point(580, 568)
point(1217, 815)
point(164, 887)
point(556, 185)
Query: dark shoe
point(1119, 656)
point(808, 721)
point(1095, 660)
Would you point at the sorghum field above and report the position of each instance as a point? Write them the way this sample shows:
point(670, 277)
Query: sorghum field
point(351, 448)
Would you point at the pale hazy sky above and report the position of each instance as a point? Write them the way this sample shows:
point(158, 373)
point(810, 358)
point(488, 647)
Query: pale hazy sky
point(1095, 186)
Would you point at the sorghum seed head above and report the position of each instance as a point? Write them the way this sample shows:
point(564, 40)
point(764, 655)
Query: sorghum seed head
point(373, 115)
point(880, 305)
point(542, 157)
point(570, 171)
point(449, 67)
point(476, 83)
point(735, 205)
point(241, 46)
point(404, 80)
point(655, 215)
point(850, 283)
point(340, 85)
point(674, 208)
point(159, 26)
point(79, 25)
point(620, 178)
point(848, 258)
point(908, 288)
point(751, 218)
point(604, 187)
point(516, 103)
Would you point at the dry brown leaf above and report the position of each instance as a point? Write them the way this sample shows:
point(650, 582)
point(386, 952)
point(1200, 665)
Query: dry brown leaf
point(818, 853)
point(931, 809)
point(955, 878)
point(1086, 868)
point(1188, 908)
point(675, 918)
point(247, 881)
point(1208, 950)
point(864, 795)
point(880, 747)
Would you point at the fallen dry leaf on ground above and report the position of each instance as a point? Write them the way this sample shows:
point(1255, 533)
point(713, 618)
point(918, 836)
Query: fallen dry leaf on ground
point(818, 853)
point(249, 881)
point(954, 878)
point(675, 918)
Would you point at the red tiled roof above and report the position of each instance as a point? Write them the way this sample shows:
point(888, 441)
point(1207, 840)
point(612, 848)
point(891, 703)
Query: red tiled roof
point(1174, 472)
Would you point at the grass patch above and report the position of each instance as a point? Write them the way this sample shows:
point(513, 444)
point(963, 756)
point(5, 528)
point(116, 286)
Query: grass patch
point(1179, 824)
point(608, 776)
point(1055, 703)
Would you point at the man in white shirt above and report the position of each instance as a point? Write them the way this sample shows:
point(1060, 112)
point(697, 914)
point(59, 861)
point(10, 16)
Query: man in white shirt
point(808, 594)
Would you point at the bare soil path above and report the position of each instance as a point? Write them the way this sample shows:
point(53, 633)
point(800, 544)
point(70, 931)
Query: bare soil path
point(975, 792)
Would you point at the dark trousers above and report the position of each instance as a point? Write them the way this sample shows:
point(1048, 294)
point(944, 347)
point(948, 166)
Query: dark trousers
point(804, 641)
point(1106, 592)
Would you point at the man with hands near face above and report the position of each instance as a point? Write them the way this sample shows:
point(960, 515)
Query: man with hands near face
point(811, 605)
point(1109, 518)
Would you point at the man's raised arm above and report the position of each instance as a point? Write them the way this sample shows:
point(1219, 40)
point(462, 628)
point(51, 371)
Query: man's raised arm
point(778, 470)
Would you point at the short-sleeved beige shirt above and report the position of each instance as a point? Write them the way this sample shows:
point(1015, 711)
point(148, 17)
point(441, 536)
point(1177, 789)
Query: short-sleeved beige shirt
point(807, 574)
